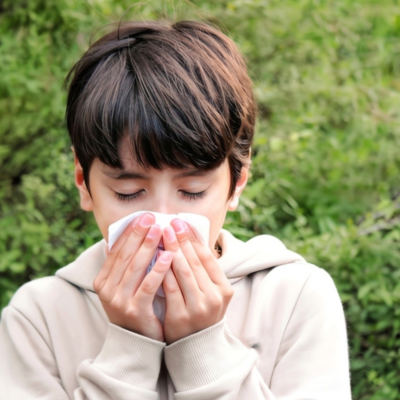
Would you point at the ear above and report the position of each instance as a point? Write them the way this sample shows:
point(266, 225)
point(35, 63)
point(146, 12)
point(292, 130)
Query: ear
point(86, 198)
point(233, 202)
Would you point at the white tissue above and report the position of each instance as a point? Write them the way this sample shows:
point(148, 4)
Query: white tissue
point(199, 223)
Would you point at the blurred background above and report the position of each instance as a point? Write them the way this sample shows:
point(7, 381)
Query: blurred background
point(325, 174)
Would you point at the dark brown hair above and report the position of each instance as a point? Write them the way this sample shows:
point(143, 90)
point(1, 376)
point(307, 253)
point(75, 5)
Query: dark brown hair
point(180, 92)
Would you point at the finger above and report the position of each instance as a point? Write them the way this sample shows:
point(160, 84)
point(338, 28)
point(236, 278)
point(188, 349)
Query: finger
point(111, 256)
point(138, 233)
point(183, 273)
point(203, 252)
point(129, 249)
point(125, 234)
point(137, 267)
point(182, 234)
point(144, 296)
point(173, 296)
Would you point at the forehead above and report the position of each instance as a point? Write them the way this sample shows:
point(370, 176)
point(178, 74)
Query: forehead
point(126, 156)
point(130, 163)
point(132, 169)
point(126, 153)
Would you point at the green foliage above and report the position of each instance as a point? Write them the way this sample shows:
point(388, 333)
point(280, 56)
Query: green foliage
point(325, 167)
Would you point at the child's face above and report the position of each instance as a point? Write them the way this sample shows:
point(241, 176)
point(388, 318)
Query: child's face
point(168, 191)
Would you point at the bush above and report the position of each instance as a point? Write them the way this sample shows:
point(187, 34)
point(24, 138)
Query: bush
point(325, 167)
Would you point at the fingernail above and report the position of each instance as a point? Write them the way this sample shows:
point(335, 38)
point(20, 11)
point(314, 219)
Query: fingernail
point(146, 220)
point(179, 226)
point(169, 233)
point(165, 257)
point(154, 232)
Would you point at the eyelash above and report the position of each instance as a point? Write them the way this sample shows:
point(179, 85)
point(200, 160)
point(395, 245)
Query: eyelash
point(133, 196)
point(128, 197)
point(194, 196)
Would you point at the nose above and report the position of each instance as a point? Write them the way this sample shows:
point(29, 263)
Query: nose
point(163, 205)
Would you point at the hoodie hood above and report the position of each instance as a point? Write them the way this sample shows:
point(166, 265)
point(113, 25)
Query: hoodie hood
point(238, 259)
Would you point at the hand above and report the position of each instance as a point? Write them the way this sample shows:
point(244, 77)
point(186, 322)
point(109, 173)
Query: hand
point(124, 291)
point(196, 289)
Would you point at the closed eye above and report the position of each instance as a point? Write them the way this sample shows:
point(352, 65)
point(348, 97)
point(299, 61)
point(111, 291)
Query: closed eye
point(130, 196)
point(194, 196)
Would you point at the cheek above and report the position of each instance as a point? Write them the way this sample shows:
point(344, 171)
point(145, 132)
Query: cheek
point(216, 214)
point(107, 209)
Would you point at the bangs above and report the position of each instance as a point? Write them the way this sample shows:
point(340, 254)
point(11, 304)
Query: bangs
point(174, 113)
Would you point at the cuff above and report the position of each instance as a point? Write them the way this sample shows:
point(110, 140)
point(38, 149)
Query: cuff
point(130, 358)
point(203, 357)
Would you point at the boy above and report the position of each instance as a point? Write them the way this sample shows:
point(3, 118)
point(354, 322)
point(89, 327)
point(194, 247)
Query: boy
point(161, 119)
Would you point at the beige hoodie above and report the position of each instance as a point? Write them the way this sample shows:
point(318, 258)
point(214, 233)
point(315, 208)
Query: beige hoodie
point(283, 337)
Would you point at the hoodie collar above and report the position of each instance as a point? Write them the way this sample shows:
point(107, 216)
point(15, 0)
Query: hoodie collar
point(238, 259)
point(86, 267)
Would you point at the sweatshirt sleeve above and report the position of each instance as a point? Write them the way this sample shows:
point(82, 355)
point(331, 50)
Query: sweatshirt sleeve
point(312, 361)
point(28, 369)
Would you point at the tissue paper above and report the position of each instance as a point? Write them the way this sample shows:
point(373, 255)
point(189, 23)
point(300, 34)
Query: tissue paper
point(199, 223)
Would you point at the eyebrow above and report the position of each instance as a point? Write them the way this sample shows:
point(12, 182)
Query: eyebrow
point(125, 175)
